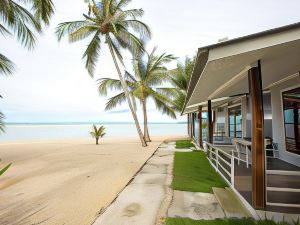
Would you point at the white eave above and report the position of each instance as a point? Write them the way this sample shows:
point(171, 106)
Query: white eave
point(225, 72)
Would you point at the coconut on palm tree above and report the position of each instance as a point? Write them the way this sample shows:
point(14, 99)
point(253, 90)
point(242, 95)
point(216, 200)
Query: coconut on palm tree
point(149, 73)
point(97, 133)
point(108, 22)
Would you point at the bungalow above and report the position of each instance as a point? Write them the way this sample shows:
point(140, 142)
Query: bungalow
point(249, 90)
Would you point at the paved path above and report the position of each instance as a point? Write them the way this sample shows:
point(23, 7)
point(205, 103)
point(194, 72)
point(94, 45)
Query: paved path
point(141, 201)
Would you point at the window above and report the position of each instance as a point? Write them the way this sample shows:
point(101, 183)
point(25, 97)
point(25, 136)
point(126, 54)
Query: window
point(235, 122)
point(291, 112)
point(220, 129)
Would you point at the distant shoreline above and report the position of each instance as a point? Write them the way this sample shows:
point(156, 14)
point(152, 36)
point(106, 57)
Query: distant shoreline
point(83, 123)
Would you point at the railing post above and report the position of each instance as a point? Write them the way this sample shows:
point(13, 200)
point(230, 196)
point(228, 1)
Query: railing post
point(232, 169)
point(217, 159)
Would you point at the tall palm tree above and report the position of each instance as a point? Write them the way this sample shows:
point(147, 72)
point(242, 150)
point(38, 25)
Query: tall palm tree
point(179, 78)
point(149, 72)
point(108, 22)
point(16, 20)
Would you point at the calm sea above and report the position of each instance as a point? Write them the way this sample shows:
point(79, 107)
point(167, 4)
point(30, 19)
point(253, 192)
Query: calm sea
point(19, 132)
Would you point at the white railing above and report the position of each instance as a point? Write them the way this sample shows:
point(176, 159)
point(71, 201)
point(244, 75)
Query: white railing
point(217, 158)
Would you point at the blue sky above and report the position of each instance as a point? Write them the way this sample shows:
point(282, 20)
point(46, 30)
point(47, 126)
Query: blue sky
point(52, 85)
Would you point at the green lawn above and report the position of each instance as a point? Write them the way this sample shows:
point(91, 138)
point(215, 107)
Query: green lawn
point(184, 144)
point(180, 221)
point(192, 172)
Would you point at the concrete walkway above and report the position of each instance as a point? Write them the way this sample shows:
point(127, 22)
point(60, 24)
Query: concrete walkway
point(141, 201)
point(148, 199)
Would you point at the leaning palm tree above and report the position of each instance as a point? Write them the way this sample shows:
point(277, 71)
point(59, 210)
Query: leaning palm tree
point(108, 22)
point(16, 20)
point(179, 78)
point(149, 72)
point(97, 133)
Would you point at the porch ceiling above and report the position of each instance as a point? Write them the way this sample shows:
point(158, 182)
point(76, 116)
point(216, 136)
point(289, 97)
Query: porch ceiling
point(226, 69)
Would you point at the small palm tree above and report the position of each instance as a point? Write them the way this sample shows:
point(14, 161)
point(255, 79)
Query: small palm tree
point(179, 78)
point(108, 22)
point(97, 133)
point(149, 72)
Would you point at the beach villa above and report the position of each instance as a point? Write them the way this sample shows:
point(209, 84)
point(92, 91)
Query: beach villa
point(247, 93)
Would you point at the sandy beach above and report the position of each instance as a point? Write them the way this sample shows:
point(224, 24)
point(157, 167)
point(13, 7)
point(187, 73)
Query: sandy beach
point(66, 182)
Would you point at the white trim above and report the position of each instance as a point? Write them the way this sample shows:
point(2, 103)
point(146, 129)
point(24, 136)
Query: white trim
point(293, 76)
point(234, 105)
point(283, 172)
point(283, 204)
point(283, 189)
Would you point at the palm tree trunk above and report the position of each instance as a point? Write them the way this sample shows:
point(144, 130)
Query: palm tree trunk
point(125, 88)
point(146, 132)
point(97, 141)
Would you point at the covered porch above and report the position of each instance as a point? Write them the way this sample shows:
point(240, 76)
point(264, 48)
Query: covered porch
point(247, 93)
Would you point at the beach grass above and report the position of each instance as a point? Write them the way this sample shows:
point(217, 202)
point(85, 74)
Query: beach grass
point(184, 221)
point(184, 144)
point(192, 172)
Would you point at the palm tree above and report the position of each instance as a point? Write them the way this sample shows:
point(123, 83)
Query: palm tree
point(97, 133)
point(179, 78)
point(15, 19)
point(149, 72)
point(108, 22)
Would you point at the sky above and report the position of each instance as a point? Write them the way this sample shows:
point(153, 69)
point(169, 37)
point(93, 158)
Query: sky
point(52, 85)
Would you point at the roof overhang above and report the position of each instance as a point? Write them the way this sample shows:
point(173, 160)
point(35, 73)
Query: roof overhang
point(221, 70)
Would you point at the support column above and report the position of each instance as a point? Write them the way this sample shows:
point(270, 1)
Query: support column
point(188, 124)
point(200, 127)
point(257, 147)
point(210, 122)
point(192, 125)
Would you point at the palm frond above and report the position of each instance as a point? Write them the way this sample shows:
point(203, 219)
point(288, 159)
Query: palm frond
point(82, 33)
point(43, 9)
point(114, 101)
point(133, 13)
point(20, 20)
point(163, 103)
point(129, 41)
point(4, 30)
point(139, 27)
point(3, 170)
point(6, 66)
point(106, 84)
point(67, 28)
point(91, 54)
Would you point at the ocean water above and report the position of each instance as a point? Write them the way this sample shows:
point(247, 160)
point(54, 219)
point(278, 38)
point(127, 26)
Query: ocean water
point(19, 132)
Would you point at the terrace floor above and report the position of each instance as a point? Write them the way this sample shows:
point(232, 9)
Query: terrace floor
point(276, 178)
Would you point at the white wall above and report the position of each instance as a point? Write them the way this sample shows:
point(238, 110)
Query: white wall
point(278, 120)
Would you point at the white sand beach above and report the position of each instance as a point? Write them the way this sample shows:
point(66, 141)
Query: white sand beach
point(66, 182)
